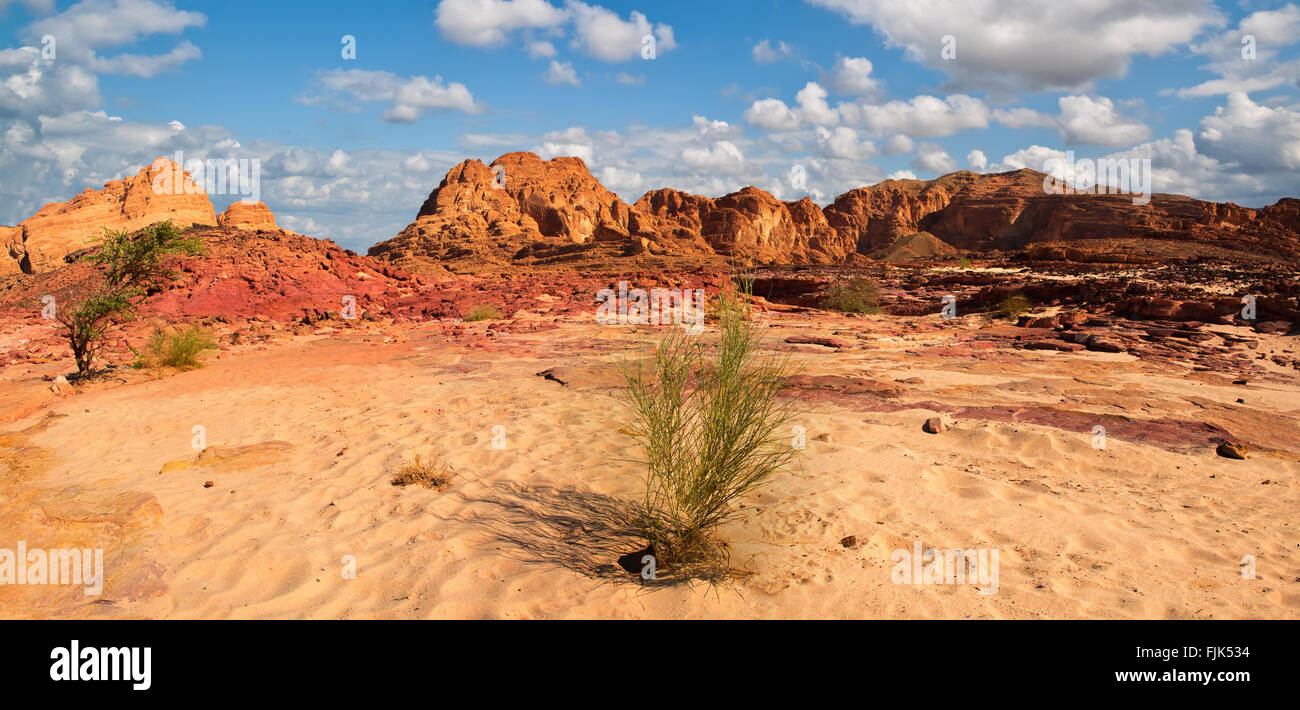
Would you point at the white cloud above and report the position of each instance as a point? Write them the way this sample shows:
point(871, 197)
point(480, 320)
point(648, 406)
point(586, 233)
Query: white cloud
point(146, 66)
point(765, 53)
point(897, 145)
point(1094, 121)
point(721, 157)
point(775, 115)
point(932, 158)
point(92, 25)
point(561, 73)
point(771, 114)
point(625, 78)
point(1257, 138)
point(842, 142)
point(1029, 45)
point(977, 160)
point(410, 96)
point(1261, 33)
point(541, 49)
point(852, 75)
point(485, 23)
point(920, 117)
point(1020, 117)
point(602, 34)
point(596, 31)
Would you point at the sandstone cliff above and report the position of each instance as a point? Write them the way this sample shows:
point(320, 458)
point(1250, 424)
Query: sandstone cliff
point(524, 211)
point(60, 228)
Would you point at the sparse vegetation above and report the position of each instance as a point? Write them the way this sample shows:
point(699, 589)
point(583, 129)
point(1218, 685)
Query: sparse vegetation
point(423, 472)
point(1013, 307)
point(484, 312)
point(857, 295)
point(712, 428)
point(964, 262)
point(130, 265)
point(177, 348)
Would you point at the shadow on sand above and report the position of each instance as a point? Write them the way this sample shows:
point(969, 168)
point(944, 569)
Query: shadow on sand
point(576, 529)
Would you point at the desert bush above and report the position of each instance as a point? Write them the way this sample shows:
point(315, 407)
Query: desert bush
point(129, 265)
point(964, 262)
point(484, 313)
point(711, 426)
point(179, 348)
point(1013, 307)
point(423, 472)
point(857, 295)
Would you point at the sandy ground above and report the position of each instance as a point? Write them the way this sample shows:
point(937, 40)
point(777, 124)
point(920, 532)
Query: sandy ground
point(303, 436)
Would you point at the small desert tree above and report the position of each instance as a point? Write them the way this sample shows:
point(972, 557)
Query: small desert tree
point(711, 425)
point(129, 265)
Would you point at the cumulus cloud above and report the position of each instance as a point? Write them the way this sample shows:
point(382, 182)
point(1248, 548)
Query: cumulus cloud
point(775, 115)
point(843, 142)
point(1255, 137)
point(561, 73)
point(852, 76)
point(1025, 44)
point(410, 97)
point(932, 158)
point(977, 161)
point(1082, 120)
point(602, 34)
point(595, 31)
point(1094, 121)
point(486, 23)
point(93, 25)
point(919, 117)
point(721, 157)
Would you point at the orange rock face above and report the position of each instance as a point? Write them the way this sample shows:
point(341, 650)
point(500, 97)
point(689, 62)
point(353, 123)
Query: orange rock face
point(11, 250)
point(522, 210)
point(160, 192)
point(250, 217)
point(521, 207)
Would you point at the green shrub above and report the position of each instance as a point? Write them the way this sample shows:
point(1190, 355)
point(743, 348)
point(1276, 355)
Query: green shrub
point(708, 420)
point(857, 295)
point(178, 348)
point(484, 313)
point(964, 262)
point(129, 265)
point(1013, 307)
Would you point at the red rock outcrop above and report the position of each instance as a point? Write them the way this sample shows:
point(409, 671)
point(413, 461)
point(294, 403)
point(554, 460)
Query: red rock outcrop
point(161, 191)
point(556, 210)
point(490, 214)
point(250, 217)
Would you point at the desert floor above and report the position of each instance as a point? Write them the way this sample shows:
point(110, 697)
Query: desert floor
point(304, 433)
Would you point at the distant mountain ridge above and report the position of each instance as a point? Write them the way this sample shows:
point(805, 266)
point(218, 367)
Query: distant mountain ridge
point(521, 210)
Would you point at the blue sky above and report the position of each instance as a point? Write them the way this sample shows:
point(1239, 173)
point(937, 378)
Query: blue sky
point(738, 93)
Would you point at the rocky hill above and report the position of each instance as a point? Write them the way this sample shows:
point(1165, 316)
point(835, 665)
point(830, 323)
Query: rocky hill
point(40, 242)
point(523, 211)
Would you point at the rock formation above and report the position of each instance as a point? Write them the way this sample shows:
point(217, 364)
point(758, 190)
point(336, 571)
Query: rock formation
point(250, 217)
point(159, 192)
point(525, 211)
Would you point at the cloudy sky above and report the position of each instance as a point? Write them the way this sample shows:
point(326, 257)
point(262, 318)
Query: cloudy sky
point(356, 110)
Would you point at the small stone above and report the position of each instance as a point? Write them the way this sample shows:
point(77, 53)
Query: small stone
point(1232, 450)
point(209, 484)
point(850, 541)
point(934, 425)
